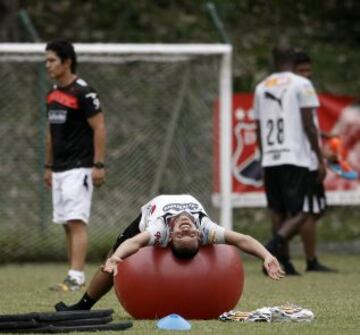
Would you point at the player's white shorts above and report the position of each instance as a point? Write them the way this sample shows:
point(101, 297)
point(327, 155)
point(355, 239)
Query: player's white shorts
point(71, 195)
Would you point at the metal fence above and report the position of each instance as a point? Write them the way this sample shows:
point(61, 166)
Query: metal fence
point(159, 140)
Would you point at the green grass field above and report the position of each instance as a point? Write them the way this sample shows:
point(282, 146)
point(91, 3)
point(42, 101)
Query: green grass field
point(334, 298)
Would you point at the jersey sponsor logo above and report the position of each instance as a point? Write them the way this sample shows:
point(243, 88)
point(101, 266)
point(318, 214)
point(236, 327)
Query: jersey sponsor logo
point(63, 99)
point(208, 236)
point(94, 99)
point(57, 116)
point(270, 96)
point(212, 237)
point(308, 91)
point(180, 207)
point(157, 236)
point(276, 154)
point(277, 81)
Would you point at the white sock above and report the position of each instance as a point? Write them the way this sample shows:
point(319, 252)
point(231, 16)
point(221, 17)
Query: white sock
point(79, 276)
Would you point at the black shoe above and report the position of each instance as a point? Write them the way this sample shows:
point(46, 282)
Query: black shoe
point(289, 268)
point(62, 307)
point(273, 248)
point(315, 266)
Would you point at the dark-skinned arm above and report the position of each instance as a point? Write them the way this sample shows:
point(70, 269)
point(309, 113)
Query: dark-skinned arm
point(258, 136)
point(313, 137)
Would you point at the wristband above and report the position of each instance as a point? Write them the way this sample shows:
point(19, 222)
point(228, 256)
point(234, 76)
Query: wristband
point(99, 165)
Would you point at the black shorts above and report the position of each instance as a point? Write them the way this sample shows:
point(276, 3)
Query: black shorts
point(285, 188)
point(315, 200)
point(131, 230)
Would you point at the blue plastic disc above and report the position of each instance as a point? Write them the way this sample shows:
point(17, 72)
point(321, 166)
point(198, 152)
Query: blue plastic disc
point(173, 322)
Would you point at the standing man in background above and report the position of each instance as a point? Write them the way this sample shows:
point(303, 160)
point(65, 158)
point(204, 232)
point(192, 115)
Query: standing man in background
point(283, 109)
point(75, 149)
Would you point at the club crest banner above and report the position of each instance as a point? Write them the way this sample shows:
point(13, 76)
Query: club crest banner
point(337, 115)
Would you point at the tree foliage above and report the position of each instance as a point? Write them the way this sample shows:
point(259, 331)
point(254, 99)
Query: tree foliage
point(328, 29)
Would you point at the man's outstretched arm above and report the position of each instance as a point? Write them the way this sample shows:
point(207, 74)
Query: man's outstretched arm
point(125, 249)
point(251, 246)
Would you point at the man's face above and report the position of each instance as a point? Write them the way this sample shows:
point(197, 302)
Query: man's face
point(303, 69)
point(54, 67)
point(184, 231)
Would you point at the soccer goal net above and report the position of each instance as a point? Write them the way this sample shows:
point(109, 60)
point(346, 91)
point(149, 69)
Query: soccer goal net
point(158, 102)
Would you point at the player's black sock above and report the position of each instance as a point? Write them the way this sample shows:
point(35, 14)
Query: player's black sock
point(275, 244)
point(84, 304)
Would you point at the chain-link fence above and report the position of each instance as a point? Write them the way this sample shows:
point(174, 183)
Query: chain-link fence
point(159, 140)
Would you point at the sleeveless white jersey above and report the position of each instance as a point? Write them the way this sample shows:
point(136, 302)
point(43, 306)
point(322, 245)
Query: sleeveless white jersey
point(156, 213)
point(277, 103)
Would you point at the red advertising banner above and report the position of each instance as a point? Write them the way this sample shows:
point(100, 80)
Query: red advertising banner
point(337, 114)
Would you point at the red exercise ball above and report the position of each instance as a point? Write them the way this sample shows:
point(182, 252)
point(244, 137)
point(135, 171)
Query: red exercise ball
point(153, 283)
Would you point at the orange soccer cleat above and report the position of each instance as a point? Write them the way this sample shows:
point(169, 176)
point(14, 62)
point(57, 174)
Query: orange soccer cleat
point(341, 167)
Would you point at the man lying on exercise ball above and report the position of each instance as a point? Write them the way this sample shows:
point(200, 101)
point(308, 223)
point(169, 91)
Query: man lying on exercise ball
point(177, 221)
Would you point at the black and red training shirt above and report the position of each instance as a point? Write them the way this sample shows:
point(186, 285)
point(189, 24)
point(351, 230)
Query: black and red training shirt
point(68, 109)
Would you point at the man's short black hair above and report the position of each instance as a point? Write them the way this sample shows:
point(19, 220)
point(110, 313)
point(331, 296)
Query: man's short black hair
point(283, 56)
point(64, 50)
point(183, 252)
point(301, 57)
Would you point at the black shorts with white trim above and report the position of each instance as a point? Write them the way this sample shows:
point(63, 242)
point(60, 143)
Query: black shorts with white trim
point(286, 187)
point(315, 199)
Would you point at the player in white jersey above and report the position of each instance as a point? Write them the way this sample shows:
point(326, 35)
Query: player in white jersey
point(283, 109)
point(278, 101)
point(157, 217)
point(177, 221)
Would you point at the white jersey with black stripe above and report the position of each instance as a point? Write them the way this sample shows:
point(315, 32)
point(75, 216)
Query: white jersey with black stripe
point(156, 213)
point(277, 103)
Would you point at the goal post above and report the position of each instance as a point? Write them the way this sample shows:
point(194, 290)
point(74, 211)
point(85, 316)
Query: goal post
point(158, 101)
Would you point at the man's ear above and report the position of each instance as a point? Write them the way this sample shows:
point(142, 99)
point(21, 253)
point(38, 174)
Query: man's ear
point(67, 62)
point(170, 235)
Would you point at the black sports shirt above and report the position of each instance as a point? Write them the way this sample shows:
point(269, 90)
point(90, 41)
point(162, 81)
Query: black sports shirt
point(68, 109)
